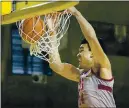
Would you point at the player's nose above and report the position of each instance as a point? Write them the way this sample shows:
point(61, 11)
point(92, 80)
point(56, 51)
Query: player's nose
point(78, 55)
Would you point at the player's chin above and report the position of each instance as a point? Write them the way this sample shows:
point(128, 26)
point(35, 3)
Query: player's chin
point(83, 66)
point(80, 66)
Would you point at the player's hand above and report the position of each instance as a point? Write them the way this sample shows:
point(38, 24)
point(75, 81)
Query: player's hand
point(73, 10)
point(52, 21)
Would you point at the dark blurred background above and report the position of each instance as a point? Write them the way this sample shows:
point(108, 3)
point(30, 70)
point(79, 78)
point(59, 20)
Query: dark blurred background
point(32, 84)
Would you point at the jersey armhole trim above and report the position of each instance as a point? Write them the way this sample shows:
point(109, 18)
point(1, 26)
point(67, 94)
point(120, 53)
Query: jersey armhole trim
point(102, 78)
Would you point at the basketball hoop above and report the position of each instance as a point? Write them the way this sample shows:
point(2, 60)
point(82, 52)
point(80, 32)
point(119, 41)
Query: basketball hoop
point(48, 41)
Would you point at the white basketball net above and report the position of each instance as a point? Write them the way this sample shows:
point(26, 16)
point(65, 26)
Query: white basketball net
point(49, 42)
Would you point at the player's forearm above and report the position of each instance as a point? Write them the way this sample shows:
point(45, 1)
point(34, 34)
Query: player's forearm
point(54, 57)
point(56, 64)
point(86, 27)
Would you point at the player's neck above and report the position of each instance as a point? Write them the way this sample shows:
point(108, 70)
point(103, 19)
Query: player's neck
point(87, 69)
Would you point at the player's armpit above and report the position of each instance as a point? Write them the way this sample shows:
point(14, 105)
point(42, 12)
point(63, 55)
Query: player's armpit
point(106, 73)
point(99, 54)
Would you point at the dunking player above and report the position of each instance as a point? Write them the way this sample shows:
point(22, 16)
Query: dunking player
point(94, 73)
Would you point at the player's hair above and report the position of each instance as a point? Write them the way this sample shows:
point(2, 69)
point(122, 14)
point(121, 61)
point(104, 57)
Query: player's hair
point(84, 41)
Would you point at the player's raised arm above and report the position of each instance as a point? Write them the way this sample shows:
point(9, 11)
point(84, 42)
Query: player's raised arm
point(90, 35)
point(64, 69)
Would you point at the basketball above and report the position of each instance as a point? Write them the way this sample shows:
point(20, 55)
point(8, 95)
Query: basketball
point(32, 29)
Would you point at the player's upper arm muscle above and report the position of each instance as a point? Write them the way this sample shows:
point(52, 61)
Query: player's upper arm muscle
point(70, 72)
point(98, 53)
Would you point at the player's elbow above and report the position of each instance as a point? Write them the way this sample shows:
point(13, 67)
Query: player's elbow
point(105, 63)
point(56, 67)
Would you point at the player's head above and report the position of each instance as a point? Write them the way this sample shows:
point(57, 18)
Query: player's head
point(85, 55)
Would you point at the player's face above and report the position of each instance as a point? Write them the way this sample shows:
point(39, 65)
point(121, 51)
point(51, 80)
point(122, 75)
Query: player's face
point(85, 57)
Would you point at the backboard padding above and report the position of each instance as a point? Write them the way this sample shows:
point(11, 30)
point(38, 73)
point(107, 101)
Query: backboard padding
point(35, 9)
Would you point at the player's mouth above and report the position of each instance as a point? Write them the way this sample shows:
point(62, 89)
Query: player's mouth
point(79, 60)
